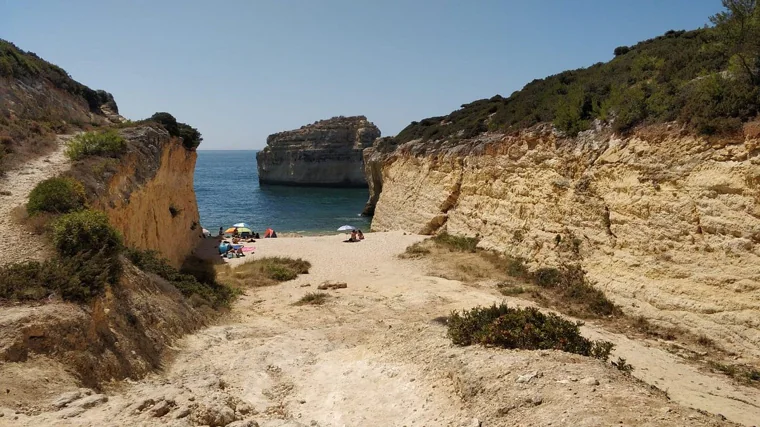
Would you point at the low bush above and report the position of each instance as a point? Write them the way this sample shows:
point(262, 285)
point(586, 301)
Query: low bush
point(195, 281)
point(56, 195)
point(190, 136)
point(313, 298)
point(457, 243)
point(570, 281)
point(85, 231)
point(106, 143)
point(516, 268)
point(508, 289)
point(523, 328)
point(78, 278)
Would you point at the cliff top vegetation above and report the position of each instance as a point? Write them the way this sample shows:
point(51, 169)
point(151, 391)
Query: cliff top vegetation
point(707, 79)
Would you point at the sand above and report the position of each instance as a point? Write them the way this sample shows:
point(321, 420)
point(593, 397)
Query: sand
point(374, 354)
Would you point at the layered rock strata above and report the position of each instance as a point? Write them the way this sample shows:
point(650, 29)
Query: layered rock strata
point(327, 153)
point(667, 224)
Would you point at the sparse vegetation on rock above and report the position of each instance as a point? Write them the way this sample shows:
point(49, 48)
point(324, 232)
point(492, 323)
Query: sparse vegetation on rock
point(313, 298)
point(196, 281)
point(100, 143)
point(190, 136)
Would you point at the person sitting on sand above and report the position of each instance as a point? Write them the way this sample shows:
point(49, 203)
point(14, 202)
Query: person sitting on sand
point(352, 238)
point(235, 232)
point(221, 231)
point(360, 235)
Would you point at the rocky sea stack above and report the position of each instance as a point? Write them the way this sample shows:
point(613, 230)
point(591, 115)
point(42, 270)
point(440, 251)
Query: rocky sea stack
point(327, 153)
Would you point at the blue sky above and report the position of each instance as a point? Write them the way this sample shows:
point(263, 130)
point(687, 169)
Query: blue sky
point(240, 70)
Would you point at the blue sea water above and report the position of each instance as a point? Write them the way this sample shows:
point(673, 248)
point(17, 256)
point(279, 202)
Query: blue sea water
point(228, 191)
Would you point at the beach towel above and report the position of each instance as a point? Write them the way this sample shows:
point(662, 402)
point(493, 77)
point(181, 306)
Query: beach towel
point(248, 249)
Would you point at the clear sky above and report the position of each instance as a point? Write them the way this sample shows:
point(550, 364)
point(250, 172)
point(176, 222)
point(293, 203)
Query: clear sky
point(240, 70)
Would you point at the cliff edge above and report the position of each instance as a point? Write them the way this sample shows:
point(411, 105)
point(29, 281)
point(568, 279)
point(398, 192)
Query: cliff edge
point(327, 153)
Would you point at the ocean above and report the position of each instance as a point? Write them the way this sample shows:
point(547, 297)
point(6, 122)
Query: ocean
point(228, 191)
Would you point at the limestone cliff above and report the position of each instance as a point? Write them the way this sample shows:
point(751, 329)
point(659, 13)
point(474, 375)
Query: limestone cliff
point(148, 193)
point(327, 153)
point(666, 223)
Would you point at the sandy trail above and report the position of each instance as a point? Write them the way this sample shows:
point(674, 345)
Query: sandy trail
point(373, 355)
point(19, 182)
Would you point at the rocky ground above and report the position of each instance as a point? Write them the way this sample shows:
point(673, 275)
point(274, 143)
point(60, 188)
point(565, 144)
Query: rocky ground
point(375, 354)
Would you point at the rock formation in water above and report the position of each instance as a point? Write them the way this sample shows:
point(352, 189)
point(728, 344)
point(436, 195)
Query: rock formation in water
point(327, 153)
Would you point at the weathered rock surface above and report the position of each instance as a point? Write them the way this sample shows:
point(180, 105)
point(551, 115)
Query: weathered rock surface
point(667, 224)
point(327, 153)
point(149, 195)
point(374, 158)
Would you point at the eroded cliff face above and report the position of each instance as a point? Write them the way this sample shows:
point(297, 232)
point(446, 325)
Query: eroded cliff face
point(667, 224)
point(327, 153)
point(149, 195)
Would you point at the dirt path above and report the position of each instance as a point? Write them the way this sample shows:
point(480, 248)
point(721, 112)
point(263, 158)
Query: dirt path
point(374, 355)
point(19, 182)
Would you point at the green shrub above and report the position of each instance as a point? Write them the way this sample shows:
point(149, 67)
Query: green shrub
point(106, 143)
point(196, 280)
point(190, 136)
point(523, 328)
point(85, 231)
point(56, 195)
point(547, 277)
point(457, 243)
point(516, 268)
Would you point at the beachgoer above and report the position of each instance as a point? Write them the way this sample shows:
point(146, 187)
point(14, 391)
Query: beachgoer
point(353, 236)
point(224, 247)
point(360, 235)
point(235, 232)
point(256, 236)
point(221, 231)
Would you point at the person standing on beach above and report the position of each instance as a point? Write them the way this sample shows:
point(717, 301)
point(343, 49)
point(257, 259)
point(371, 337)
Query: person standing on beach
point(221, 231)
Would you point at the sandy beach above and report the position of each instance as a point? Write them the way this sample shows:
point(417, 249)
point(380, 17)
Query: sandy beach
point(374, 354)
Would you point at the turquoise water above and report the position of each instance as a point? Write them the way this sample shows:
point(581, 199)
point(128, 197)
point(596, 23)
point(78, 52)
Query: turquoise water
point(228, 191)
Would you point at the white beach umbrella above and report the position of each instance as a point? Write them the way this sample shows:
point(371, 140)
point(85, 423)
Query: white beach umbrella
point(346, 228)
point(241, 225)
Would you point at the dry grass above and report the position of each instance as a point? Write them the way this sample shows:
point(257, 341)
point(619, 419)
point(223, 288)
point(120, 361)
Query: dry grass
point(38, 224)
point(263, 272)
point(313, 298)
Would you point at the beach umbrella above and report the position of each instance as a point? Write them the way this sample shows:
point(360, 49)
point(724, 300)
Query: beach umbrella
point(241, 224)
point(239, 229)
point(346, 228)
